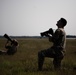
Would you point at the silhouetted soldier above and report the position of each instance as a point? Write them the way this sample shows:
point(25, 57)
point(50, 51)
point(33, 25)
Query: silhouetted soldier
point(11, 47)
point(57, 51)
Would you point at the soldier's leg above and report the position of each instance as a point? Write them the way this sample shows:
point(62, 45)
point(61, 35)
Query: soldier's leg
point(57, 63)
point(2, 52)
point(42, 54)
point(40, 60)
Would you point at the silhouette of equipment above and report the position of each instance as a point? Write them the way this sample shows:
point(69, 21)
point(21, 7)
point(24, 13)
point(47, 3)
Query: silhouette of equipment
point(47, 33)
point(8, 38)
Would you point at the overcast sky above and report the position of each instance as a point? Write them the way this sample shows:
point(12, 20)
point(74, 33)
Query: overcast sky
point(30, 17)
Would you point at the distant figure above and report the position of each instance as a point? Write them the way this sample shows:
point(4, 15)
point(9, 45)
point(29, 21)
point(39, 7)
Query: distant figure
point(57, 51)
point(11, 48)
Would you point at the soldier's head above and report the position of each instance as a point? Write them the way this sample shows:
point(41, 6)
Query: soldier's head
point(62, 22)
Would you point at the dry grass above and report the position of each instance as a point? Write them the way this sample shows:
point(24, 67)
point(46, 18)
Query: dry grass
point(25, 60)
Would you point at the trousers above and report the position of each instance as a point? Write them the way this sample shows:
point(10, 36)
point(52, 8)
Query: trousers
point(54, 53)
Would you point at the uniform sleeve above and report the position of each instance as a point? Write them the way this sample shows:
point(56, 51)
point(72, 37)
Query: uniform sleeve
point(57, 36)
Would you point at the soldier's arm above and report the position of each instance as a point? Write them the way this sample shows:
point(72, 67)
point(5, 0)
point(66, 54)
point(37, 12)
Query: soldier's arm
point(7, 44)
point(56, 36)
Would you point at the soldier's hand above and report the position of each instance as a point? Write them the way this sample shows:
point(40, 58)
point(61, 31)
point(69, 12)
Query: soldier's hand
point(51, 31)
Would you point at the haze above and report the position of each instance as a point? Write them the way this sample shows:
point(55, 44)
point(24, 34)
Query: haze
point(30, 17)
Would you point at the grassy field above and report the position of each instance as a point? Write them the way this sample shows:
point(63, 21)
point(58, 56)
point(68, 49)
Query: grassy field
point(24, 62)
